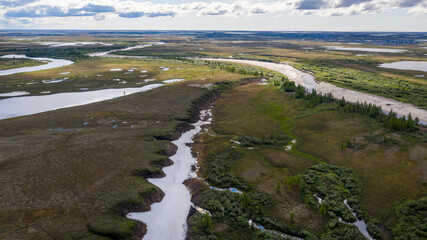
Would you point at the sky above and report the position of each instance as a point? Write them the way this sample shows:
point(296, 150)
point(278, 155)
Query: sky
point(251, 15)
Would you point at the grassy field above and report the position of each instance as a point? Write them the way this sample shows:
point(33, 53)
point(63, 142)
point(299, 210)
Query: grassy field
point(390, 165)
point(7, 63)
point(389, 170)
point(256, 111)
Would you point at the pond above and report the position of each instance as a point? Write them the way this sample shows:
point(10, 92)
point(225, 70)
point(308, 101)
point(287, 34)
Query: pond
point(407, 65)
point(378, 50)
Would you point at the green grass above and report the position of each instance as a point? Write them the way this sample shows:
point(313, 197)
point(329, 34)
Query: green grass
point(389, 171)
point(7, 63)
point(263, 112)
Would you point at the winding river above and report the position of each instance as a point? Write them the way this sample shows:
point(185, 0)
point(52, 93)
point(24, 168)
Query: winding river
point(168, 219)
point(308, 81)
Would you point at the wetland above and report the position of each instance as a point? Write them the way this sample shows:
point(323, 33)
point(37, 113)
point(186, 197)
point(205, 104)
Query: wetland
point(210, 136)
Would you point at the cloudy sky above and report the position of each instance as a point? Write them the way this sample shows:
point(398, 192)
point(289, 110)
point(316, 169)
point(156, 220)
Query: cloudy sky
point(286, 15)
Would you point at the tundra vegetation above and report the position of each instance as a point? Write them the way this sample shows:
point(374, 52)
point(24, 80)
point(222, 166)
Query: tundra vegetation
point(69, 174)
point(70, 167)
point(7, 63)
point(245, 149)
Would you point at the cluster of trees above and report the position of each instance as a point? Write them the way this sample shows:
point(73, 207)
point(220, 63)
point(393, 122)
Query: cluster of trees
point(412, 220)
point(313, 99)
point(390, 120)
point(218, 170)
point(334, 184)
point(275, 141)
point(310, 99)
point(289, 86)
point(238, 208)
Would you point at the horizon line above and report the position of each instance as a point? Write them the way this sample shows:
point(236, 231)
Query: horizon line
point(200, 30)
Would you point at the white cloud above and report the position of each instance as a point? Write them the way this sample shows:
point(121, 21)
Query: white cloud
point(99, 10)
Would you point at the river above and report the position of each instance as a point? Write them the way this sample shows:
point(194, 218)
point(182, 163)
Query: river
point(301, 78)
point(168, 219)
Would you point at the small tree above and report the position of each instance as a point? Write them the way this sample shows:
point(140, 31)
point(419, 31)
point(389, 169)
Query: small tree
point(292, 217)
point(207, 222)
point(246, 200)
point(322, 209)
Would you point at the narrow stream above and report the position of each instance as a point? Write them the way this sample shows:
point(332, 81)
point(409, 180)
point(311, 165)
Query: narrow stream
point(360, 224)
point(168, 219)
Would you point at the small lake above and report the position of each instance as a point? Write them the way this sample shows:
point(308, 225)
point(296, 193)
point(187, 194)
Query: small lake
point(50, 63)
point(407, 65)
point(21, 106)
point(378, 50)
